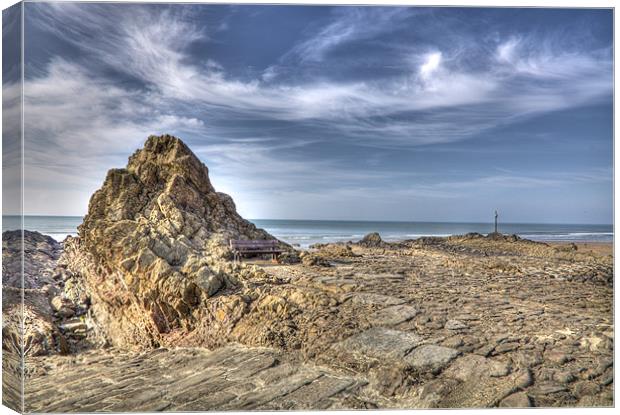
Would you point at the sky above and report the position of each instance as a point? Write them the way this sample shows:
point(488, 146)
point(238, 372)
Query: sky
point(313, 112)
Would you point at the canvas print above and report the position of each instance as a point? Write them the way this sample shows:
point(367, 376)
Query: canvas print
point(296, 207)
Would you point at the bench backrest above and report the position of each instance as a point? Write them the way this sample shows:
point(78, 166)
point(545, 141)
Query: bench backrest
point(248, 245)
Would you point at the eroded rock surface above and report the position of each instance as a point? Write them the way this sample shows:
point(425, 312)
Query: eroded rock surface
point(29, 308)
point(493, 326)
point(152, 247)
point(40, 254)
point(230, 378)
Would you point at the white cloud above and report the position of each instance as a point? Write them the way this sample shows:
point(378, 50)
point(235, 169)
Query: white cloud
point(350, 25)
point(431, 64)
point(506, 50)
point(77, 127)
point(151, 46)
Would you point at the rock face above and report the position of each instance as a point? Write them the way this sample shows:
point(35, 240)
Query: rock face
point(40, 334)
point(40, 255)
point(150, 249)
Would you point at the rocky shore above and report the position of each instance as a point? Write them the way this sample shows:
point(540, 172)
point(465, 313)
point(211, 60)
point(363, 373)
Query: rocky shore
point(146, 311)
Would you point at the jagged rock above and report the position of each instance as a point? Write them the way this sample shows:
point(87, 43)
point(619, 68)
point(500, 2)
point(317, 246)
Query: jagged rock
point(153, 247)
point(334, 250)
point(371, 240)
point(62, 306)
point(496, 236)
point(57, 303)
point(453, 342)
point(557, 356)
point(311, 259)
point(75, 325)
point(327, 317)
point(547, 388)
point(290, 257)
point(476, 367)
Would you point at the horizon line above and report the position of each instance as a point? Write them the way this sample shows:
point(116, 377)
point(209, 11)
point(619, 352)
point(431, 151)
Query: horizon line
point(369, 220)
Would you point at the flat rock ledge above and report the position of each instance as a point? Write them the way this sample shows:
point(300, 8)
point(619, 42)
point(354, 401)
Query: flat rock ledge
point(230, 378)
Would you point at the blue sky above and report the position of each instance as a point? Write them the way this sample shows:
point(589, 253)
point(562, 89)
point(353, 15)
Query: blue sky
point(378, 113)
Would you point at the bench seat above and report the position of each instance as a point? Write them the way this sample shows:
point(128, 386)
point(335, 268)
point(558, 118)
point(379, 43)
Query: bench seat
point(241, 247)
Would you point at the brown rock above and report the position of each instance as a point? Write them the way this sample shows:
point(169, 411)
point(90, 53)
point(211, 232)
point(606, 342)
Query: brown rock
point(524, 380)
point(585, 388)
point(152, 249)
point(506, 347)
point(455, 325)
point(39, 335)
point(528, 359)
point(516, 400)
point(558, 357)
point(371, 240)
point(564, 377)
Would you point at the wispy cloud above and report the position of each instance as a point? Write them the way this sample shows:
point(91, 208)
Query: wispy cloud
point(526, 79)
point(350, 25)
point(138, 70)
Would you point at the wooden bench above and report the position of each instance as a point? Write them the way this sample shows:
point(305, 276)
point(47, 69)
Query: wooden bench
point(241, 247)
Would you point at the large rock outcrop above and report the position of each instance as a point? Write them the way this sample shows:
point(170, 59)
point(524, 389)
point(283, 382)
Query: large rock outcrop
point(153, 247)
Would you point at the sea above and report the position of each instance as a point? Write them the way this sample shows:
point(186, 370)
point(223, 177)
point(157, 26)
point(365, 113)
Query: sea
point(304, 233)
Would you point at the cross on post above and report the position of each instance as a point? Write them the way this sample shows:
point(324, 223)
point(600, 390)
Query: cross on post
point(496, 221)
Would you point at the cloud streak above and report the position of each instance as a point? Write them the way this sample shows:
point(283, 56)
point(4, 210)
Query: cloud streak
point(525, 80)
point(134, 70)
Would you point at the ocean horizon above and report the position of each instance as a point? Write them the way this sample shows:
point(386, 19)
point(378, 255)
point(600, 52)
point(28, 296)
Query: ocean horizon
point(305, 232)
